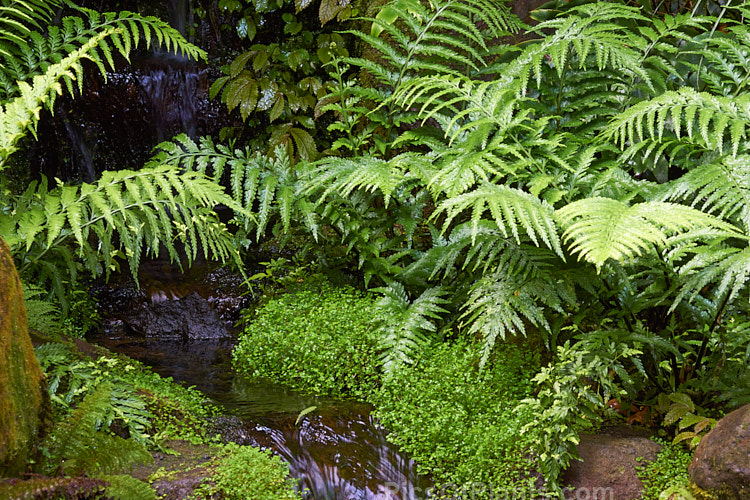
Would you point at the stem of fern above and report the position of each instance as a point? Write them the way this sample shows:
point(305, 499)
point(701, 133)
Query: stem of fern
point(707, 336)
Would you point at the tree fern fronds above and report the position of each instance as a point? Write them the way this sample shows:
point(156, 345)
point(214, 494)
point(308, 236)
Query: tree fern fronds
point(494, 102)
point(343, 176)
point(721, 187)
point(599, 229)
point(406, 324)
point(512, 210)
point(699, 115)
point(499, 303)
point(726, 268)
point(592, 31)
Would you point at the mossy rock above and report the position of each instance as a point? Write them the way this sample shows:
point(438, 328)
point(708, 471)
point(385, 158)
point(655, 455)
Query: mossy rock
point(22, 394)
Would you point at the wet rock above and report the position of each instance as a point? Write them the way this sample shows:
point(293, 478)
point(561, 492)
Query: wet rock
point(189, 317)
point(721, 462)
point(23, 400)
point(233, 429)
point(608, 469)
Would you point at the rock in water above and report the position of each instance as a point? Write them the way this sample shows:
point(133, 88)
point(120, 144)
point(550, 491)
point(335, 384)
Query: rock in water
point(721, 463)
point(190, 317)
point(22, 394)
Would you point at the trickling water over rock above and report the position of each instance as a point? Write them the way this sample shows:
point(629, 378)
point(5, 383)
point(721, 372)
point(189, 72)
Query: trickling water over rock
point(23, 400)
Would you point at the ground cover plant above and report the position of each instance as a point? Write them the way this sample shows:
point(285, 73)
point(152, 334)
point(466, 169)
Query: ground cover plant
point(319, 340)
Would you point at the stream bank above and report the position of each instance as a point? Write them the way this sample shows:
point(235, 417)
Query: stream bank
point(181, 327)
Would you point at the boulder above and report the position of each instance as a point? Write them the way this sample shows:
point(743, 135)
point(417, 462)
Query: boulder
point(189, 317)
point(23, 398)
point(721, 463)
point(608, 467)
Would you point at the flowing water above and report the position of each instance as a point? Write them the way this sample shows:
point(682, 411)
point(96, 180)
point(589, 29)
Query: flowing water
point(337, 451)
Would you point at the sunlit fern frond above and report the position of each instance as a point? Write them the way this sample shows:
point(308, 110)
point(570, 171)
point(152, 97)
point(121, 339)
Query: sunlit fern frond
point(599, 229)
point(514, 211)
point(596, 32)
point(699, 117)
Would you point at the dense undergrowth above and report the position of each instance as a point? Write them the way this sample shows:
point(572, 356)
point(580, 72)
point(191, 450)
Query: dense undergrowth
point(110, 413)
point(584, 184)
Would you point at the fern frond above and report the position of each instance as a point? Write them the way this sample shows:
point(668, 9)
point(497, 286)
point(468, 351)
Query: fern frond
point(721, 188)
point(499, 303)
point(512, 210)
point(79, 444)
point(596, 33)
point(344, 175)
point(599, 229)
point(419, 40)
point(42, 314)
point(726, 268)
point(22, 112)
point(685, 113)
point(457, 98)
point(122, 487)
point(148, 209)
point(406, 324)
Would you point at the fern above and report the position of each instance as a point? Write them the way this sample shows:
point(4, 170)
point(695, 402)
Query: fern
point(719, 188)
point(80, 444)
point(406, 324)
point(513, 210)
point(265, 187)
point(601, 228)
point(42, 314)
point(589, 31)
point(50, 43)
point(424, 44)
point(146, 210)
point(499, 303)
point(699, 116)
point(123, 487)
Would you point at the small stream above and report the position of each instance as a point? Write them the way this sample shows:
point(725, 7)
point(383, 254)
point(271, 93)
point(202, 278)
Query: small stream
point(338, 451)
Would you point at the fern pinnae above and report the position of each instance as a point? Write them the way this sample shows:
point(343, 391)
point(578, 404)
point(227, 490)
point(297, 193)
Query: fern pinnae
point(510, 208)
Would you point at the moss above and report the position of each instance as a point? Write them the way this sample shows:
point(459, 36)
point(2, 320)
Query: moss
point(22, 398)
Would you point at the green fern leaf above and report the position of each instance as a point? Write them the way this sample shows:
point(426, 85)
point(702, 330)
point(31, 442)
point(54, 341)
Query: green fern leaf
point(599, 229)
point(512, 210)
point(405, 324)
